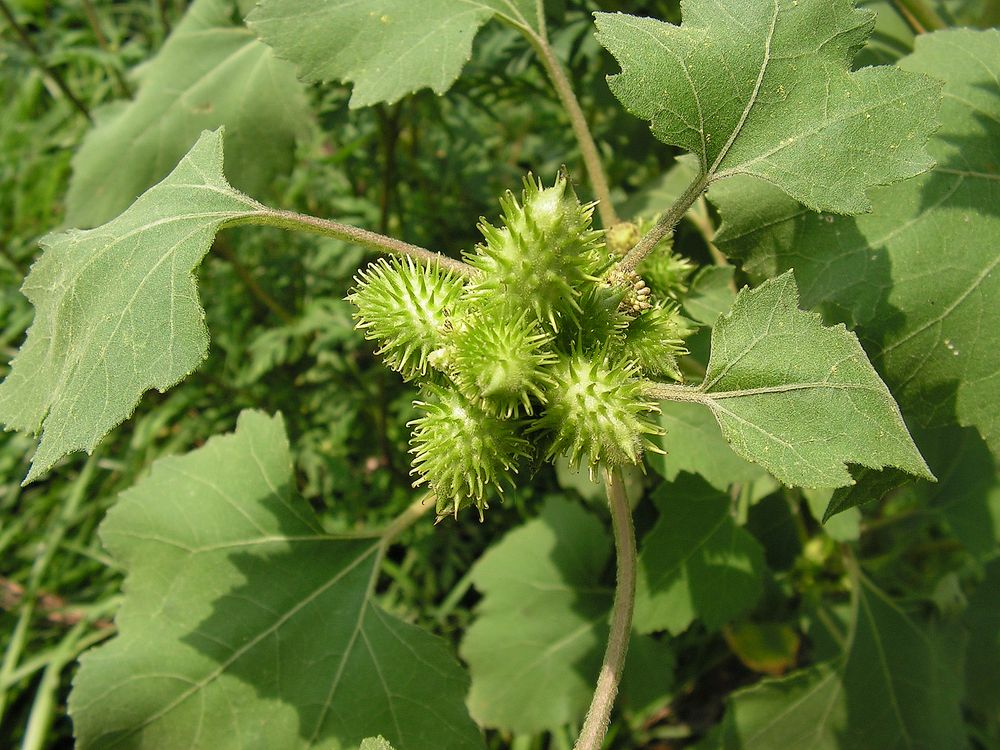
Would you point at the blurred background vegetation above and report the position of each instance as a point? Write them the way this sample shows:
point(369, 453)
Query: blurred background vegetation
point(424, 170)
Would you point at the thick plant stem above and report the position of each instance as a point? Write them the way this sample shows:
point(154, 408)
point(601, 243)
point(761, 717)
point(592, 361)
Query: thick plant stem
point(595, 726)
point(372, 240)
point(921, 17)
point(662, 228)
point(588, 148)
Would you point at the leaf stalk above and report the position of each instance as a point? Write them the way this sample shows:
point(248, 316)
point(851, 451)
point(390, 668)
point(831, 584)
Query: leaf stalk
point(595, 726)
point(371, 240)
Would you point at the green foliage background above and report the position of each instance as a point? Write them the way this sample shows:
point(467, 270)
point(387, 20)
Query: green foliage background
point(887, 603)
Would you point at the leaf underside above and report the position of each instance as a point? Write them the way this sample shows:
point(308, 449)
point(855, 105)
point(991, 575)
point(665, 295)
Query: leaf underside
point(117, 310)
point(764, 88)
point(267, 624)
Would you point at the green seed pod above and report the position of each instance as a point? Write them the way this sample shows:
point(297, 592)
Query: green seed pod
point(460, 451)
point(596, 411)
point(667, 274)
point(541, 256)
point(405, 307)
point(654, 340)
point(601, 319)
point(498, 360)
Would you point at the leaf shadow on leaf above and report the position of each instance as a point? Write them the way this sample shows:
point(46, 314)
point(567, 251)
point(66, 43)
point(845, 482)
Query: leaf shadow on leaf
point(696, 562)
point(536, 646)
point(303, 632)
point(274, 584)
point(971, 150)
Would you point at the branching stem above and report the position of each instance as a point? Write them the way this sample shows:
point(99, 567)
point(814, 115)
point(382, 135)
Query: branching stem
point(595, 726)
point(663, 227)
point(365, 238)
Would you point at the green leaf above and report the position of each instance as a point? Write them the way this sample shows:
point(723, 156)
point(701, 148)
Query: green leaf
point(693, 443)
point(843, 525)
point(966, 497)
point(386, 48)
point(244, 624)
point(535, 647)
point(711, 294)
point(896, 685)
point(695, 563)
point(800, 399)
point(766, 89)
point(210, 72)
point(117, 310)
point(919, 274)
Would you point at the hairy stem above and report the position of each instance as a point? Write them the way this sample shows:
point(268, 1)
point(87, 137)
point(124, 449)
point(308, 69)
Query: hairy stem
point(36, 53)
point(372, 240)
point(663, 227)
point(588, 148)
point(672, 392)
point(595, 726)
point(921, 17)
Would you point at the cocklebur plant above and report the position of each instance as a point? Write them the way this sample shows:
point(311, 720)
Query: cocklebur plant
point(538, 356)
point(550, 339)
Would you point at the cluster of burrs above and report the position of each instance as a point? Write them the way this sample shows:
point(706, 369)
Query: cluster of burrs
point(532, 356)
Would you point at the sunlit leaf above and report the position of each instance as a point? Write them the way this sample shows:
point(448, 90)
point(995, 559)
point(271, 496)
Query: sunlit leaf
point(765, 88)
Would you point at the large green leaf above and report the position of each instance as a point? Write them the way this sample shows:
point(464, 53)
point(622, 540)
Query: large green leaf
point(211, 72)
point(117, 311)
point(919, 274)
point(245, 625)
point(764, 88)
point(693, 443)
point(535, 648)
point(386, 48)
point(898, 684)
point(800, 399)
point(696, 563)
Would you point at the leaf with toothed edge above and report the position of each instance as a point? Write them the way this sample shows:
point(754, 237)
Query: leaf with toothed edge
point(245, 625)
point(800, 399)
point(764, 88)
point(117, 310)
point(386, 48)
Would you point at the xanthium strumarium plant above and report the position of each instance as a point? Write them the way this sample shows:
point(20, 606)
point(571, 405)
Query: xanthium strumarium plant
point(550, 339)
point(536, 355)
